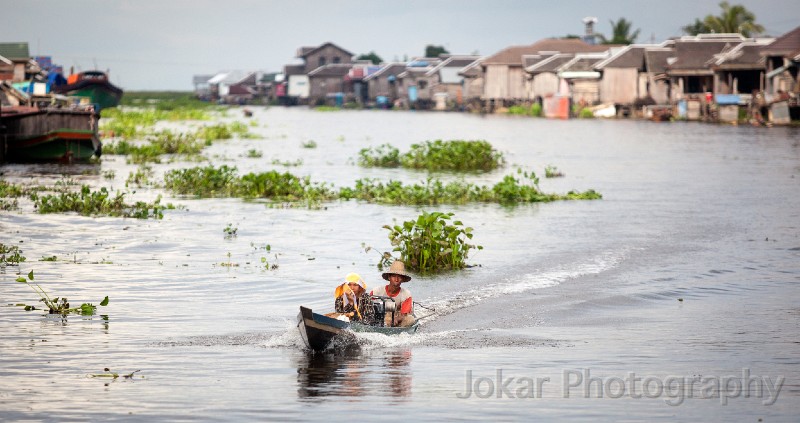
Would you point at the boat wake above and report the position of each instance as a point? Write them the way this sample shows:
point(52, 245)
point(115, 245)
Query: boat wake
point(526, 282)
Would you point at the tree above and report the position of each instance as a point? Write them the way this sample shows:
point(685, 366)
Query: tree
point(435, 51)
point(620, 33)
point(732, 19)
point(374, 58)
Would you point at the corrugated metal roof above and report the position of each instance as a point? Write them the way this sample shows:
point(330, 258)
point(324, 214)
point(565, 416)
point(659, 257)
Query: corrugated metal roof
point(333, 69)
point(305, 51)
point(15, 51)
point(745, 54)
point(784, 45)
point(696, 54)
point(513, 55)
point(550, 64)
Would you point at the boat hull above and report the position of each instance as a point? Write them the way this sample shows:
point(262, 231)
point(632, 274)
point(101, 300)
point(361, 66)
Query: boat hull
point(33, 135)
point(318, 331)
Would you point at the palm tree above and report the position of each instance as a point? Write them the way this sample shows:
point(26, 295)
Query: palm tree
point(621, 33)
point(733, 19)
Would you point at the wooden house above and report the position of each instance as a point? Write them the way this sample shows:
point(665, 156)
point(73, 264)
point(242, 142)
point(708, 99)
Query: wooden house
point(689, 69)
point(417, 82)
point(582, 80)
point(543, 80)
point(504, 75)
point(296, 88)
point(14, 61)
point(473, 82)
point(328, 81)
point(202, 89)
point(383, 86)
point(782, 63)
point(740, 69)
point(325, 54)
point(449, 84)
point(630, 75)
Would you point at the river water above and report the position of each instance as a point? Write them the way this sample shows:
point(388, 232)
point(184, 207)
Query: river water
point(675, 297)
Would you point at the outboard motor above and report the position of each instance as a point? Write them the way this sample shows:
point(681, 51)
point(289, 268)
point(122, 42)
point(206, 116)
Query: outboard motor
point(382, 306)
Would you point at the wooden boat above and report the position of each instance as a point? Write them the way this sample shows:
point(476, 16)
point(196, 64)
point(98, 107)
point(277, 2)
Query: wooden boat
point(34, 134)
point(318, 330)
point(94, 85)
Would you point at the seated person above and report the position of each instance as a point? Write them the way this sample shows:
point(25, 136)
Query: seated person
point(353, 300)
point(403, 303)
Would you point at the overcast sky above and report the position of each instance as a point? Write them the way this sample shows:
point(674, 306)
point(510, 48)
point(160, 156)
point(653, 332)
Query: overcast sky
point(161, 44)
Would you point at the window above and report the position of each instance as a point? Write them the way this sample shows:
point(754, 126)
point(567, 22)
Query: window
point(336, 59)
point(423, 85)
point(322, 60)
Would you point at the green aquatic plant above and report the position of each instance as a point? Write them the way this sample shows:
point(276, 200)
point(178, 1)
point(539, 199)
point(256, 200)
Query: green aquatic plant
point(552, 172)
point(207, 181)
point(10, 255)
point(282, 187)
point(139, 178)
point(98, 203)
point(113, 375)
point(254, 154)
point(58, 305)
point(384, 155)
point(309, 144)
point(8, 189)
point(433, 242)
point(453, 155)
point(230, 231)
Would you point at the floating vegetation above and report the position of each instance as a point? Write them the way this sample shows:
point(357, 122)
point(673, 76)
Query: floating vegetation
point(385, 155)
point(109, 174)
point(230, 231)
point(113, 375)
point(210, 181)
point(98, 203)
point(453, 155)
point(57, 305)
point(140, 178)
point(10, 255)
point(207, 181)
point(432, 242)
point(48, 258)
point(254, 154)
point(457, 155)
point(508, 191)
point(309, 144)
point(287, 163)
point(552, 172)
point(11, 190)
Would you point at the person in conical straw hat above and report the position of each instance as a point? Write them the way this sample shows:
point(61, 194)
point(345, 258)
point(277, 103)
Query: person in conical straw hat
point(353, 300)
point(403, 303)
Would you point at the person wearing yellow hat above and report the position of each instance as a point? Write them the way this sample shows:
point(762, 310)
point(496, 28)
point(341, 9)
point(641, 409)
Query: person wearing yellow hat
point(353, 300)
point(403, 303)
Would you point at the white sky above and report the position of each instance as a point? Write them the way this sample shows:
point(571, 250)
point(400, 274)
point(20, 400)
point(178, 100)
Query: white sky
point(161, 44)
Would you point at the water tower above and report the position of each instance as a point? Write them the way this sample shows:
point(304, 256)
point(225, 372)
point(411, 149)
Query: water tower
point(589, 36)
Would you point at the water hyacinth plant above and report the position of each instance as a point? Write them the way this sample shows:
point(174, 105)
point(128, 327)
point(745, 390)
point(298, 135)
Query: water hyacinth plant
point(385, 155)
point(432, 242)
point(58, 305)
point(453, 155)
point(97, 203)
